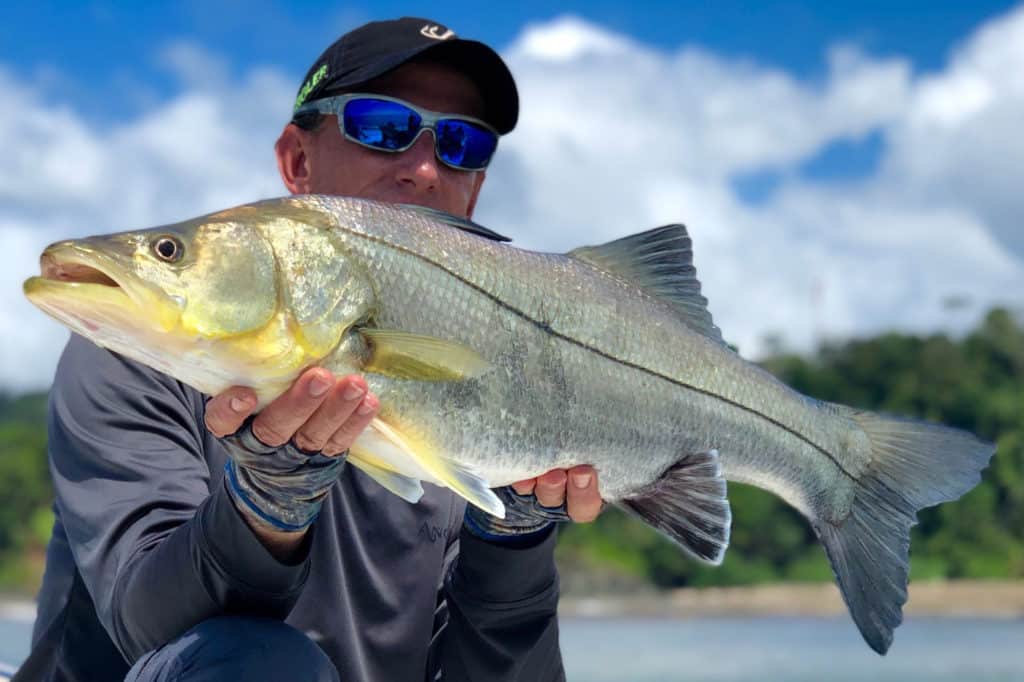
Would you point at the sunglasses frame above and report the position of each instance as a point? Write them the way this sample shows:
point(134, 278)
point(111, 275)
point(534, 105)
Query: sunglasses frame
point(428, 121)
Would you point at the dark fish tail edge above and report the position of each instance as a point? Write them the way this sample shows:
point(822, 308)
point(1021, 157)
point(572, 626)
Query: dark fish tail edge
point(914, 465)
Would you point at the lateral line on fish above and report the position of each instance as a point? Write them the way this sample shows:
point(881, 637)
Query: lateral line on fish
point(544, 326)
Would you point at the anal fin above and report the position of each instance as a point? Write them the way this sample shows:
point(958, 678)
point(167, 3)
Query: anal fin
point(382, 442)
point(409, 489)
point(689, 505)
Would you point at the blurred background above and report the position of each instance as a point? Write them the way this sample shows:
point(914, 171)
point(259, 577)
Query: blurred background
point(852, 178)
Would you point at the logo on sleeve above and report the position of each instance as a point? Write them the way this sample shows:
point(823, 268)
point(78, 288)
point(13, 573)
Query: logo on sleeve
point(432, 533)
point(437, 32)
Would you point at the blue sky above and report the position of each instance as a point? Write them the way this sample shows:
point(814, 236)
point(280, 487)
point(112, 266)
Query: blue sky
point(844, 168)
point(103, 47)
point(107, 53)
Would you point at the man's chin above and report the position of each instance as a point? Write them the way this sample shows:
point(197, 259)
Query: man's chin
point(416, 200)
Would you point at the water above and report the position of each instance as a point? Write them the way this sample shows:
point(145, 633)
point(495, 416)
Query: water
point(790, 650)
point(757, 650)
point(15, 636)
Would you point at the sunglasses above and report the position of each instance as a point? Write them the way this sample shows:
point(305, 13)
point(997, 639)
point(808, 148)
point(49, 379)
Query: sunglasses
point(392, 125)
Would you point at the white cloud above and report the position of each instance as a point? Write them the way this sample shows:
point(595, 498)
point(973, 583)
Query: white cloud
point(959, 142)
point(617, 140)
point(615, 137)
point(209, 148)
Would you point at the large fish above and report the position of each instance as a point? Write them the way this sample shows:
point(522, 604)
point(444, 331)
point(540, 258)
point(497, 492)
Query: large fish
point(495, 364)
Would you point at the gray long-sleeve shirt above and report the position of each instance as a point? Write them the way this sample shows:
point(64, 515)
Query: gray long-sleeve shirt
point(147, 544)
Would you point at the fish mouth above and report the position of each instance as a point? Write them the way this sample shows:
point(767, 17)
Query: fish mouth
point(72, 275)
point(53, 268)
point(89, 291)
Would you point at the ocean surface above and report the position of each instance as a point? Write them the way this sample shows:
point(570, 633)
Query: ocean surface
point(758, 650)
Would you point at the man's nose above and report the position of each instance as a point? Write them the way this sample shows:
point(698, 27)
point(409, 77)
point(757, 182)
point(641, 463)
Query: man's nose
point(419, 166)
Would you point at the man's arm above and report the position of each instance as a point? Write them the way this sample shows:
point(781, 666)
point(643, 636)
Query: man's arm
point(318, 414)
point(158, 549)
point(502, 597)
point(502, 607)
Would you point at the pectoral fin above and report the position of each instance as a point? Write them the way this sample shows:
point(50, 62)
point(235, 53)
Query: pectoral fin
point(409, 489)
point(411, 356)
point(382, 442)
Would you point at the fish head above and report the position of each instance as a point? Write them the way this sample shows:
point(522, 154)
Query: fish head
point(209, 301)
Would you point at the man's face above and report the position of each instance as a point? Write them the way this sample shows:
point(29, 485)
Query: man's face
point(330, 164)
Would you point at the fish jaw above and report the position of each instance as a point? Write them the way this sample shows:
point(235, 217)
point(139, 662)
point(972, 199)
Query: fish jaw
point(92, 293)
point(88, 290)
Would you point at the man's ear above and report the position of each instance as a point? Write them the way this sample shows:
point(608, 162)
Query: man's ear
point(292, 161)
point(478, 182)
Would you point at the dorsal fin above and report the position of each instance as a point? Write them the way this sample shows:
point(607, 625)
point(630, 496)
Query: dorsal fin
point(660, 261)
point(463, 224)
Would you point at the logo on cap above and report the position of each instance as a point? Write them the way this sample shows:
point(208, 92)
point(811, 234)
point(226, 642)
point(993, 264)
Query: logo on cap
point(307, 88)
point(437, 32)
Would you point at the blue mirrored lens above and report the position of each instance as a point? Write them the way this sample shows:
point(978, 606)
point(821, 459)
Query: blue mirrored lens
point(464, 145)
point(381, 124)
point(392, 126)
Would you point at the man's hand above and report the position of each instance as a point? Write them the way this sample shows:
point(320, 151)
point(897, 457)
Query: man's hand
point(318, 415)
point(533, 505)
point(576, 487)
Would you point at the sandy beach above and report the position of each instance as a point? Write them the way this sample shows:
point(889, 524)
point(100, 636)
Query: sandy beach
point(961, 598)
point(967, 598)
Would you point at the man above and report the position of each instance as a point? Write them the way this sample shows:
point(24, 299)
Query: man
point(161, 561)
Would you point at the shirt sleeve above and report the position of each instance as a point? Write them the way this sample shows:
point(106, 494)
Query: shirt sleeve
point(502, 613)
point(155, 536)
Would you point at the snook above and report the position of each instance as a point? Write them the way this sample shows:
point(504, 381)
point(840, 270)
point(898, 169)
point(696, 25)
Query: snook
point(494, 364)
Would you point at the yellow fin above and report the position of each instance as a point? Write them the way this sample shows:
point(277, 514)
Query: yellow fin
point(411, 356)
point(459, 478)
point(409, 489)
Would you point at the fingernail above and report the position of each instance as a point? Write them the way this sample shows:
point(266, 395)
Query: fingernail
point(366, 408)
point(353, 392)
point(239, 405)
point(318, 386)
point(581, 480)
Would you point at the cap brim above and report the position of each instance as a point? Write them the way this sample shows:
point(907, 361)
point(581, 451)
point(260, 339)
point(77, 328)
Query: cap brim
point(476, 60)
point(490, 74)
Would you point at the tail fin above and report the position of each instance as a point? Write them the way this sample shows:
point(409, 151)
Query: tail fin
point(914, 465)
point(688, 504)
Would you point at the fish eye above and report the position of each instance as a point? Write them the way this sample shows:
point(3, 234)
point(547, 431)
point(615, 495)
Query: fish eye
point(168, 249)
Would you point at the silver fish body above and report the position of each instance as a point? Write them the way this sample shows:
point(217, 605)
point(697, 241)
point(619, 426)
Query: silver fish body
point(494, 364)
point(587, 369)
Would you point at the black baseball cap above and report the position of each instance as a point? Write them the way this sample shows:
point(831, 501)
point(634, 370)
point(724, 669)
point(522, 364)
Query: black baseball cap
point(375, 48)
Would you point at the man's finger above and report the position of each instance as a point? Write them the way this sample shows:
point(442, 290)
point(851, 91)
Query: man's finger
point(279, 420)
point(583, 495)
point(525, 487)
point(348, 432)
point(334, 411)
point(550, 488)
point(226, 411)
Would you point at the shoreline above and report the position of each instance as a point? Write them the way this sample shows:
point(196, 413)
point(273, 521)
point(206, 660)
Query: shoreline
point(956, 599)
point(1003, 599)
point(18, 609)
